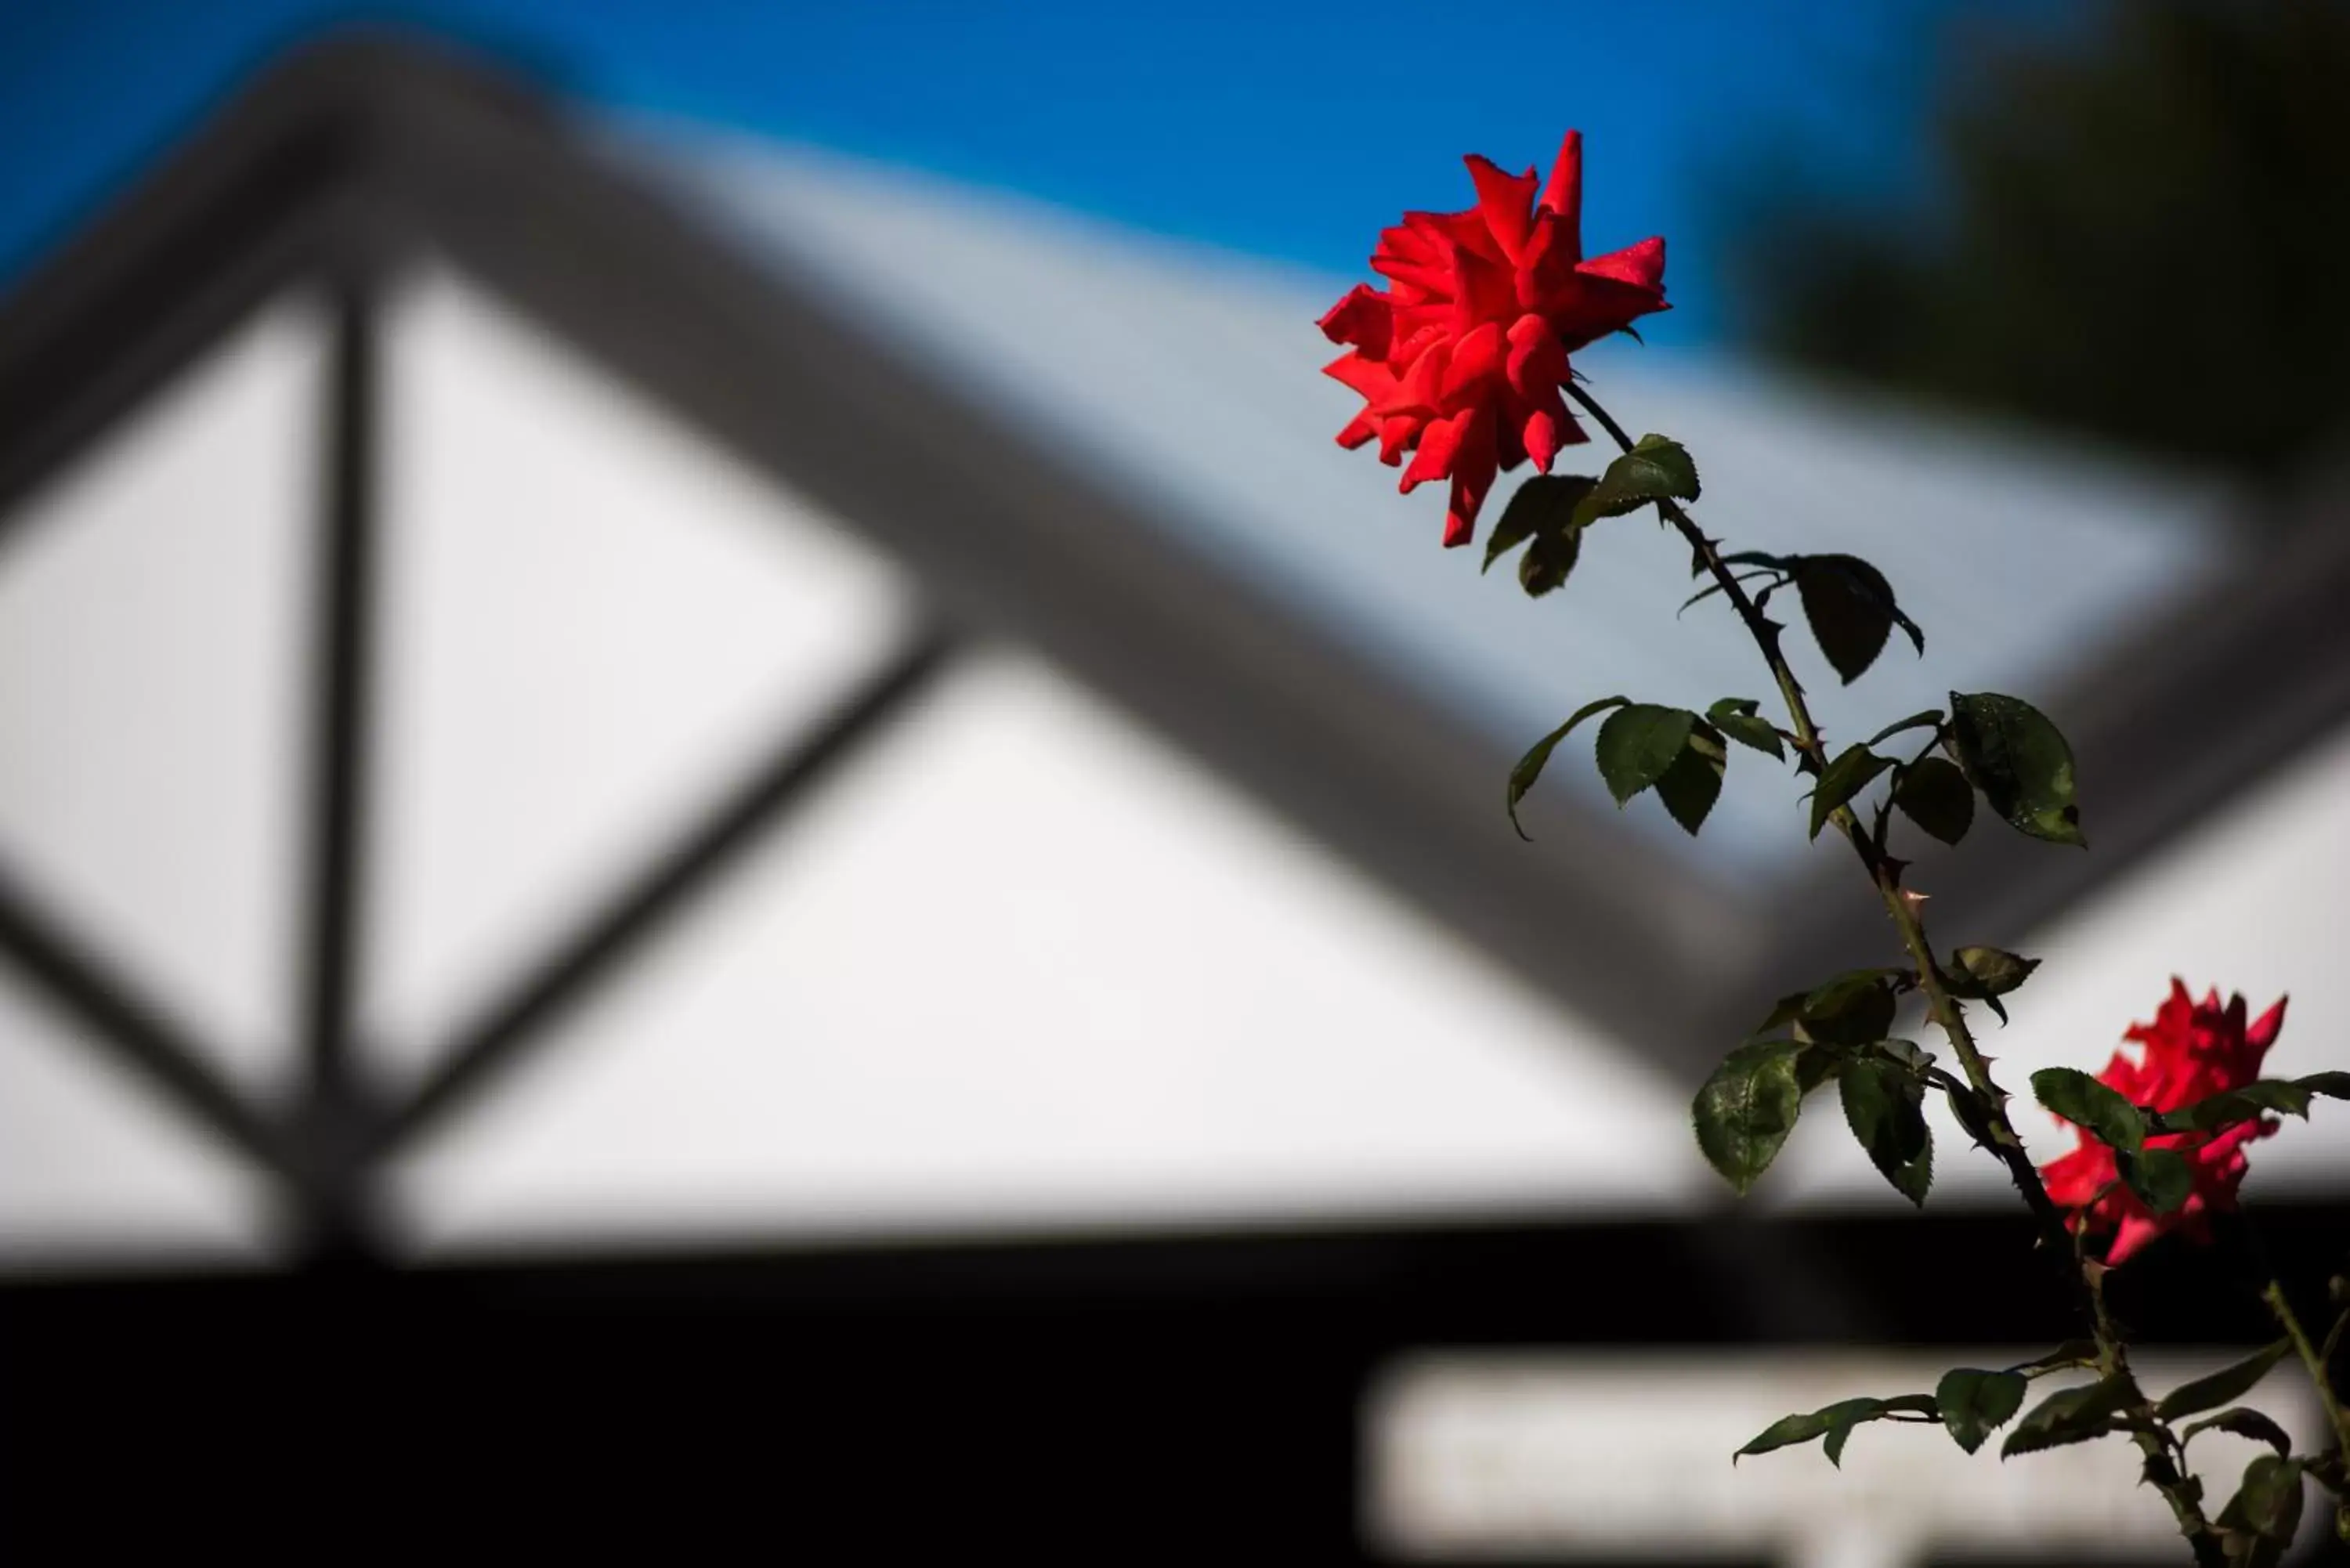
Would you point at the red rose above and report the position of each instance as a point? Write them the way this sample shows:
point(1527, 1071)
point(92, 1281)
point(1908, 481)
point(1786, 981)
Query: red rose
point(1460, 359)
point(2193, 1051)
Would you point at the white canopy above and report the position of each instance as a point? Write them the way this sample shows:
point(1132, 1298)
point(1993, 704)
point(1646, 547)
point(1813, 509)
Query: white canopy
point(1022, 965)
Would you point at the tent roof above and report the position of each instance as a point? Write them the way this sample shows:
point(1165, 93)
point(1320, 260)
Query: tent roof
point(1191, 376)
point(1117, 455)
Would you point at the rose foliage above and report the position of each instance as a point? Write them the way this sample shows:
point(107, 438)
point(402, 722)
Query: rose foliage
point(1463, 363)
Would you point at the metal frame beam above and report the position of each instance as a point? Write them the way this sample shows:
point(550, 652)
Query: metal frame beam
point(662, 890)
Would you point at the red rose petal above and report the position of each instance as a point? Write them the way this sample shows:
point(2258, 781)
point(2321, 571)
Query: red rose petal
point(1477, 359)
point(1365, 317)
point(1440, 443)
point(1564, 195)
point(1505, 201)
point(1642, 265)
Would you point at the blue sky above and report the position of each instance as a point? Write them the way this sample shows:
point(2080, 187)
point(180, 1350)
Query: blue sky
point(1288, 130)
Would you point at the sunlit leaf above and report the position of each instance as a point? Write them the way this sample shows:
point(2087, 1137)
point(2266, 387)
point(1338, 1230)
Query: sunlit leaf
point(1746, 1109)
point(1657, 468)
point(1977, 972)
point(2020, 763)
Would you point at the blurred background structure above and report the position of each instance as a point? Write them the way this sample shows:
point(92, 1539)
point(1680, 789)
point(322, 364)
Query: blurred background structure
point(716, 812)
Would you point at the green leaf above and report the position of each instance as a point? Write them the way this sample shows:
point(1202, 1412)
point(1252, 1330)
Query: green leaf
point(1540, 514)
point(1922, 1404)
point(2085, 1102)
point(1788, 1431)
point(1745, 1111)
point(2240, 1548)
point(1835, 1423)
point(2224, 1386)
point(1638, 743)
point(1518, 521)
point(1969, 1108)
point(1918, 720)
point(2068, 1416)
point(1975, 1403)
point(1735, 717)
point(1986, 974)
point(1815, 1065)
point(2020, 763)
point(1547, 562)
point(1935, 795)
point(1852, 611)
point(2160, 1176)
point(1656, 469)
point(1883, 1104)
point(2263, 1097)
point(2226, 1108)
point(1541, 508)
point(2071, 1354)
point(1983, 972)
point(2335, 1086)
point(1856, 1008)
point(2243, 1423)
point(1692, 785)
point(1903, 1053)
point(1531, 765)
point(1844, 778)
point(2268, 1502)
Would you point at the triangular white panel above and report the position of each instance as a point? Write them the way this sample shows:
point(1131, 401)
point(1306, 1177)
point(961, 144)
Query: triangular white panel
point(594, 623)
point(1025, 966)
point(152, 625)
point(2248, 901)
point(96, 1169)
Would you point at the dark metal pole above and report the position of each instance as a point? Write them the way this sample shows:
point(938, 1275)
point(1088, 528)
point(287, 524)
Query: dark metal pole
point(668, 885)
point(133, 1029)
point(335, 1112)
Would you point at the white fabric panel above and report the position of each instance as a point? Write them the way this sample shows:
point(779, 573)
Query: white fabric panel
point(2249, 902)
point(1195, 375)
point(96, 1169)
point(594, 623)
point(154, 629)
point(1024, 967)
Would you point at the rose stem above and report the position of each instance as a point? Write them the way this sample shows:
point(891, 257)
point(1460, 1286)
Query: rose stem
point(1991, 1101)
point(2274, 1293)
